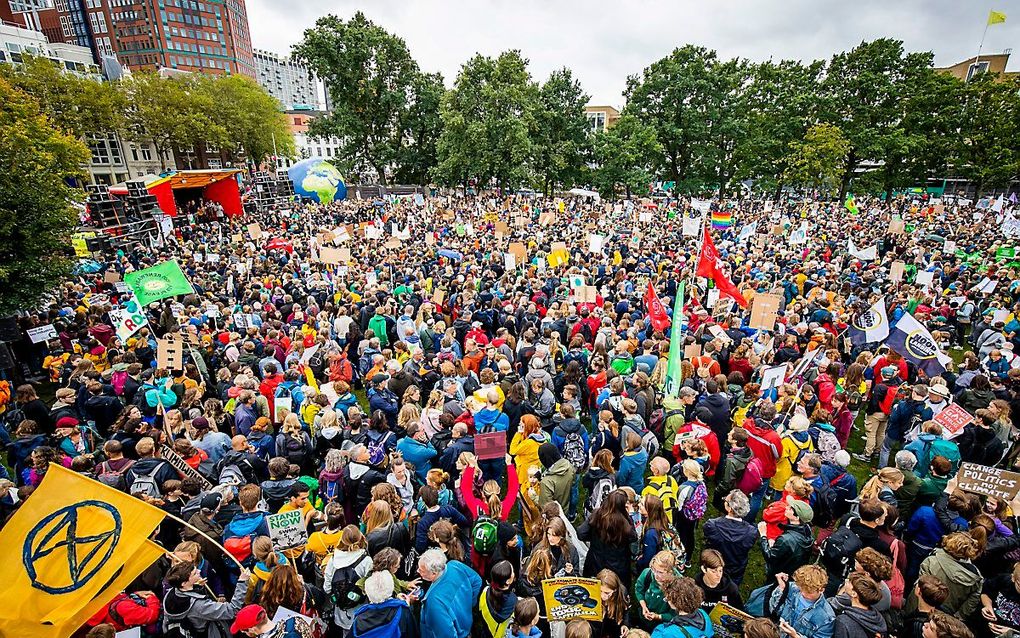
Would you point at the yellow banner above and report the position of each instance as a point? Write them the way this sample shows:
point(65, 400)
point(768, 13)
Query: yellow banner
point(570, 598)
point(72, 537)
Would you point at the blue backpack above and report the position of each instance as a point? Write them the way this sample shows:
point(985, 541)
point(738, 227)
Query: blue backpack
point(390, 629)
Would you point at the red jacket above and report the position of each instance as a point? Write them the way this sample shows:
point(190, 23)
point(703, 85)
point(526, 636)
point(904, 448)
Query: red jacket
point(765, 444)
point(703, 432)
point(268, 389)
point(128, 610)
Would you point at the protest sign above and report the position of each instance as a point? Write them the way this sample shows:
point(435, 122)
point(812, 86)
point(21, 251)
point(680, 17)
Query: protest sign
point(111, 276)
point(41, 334)
point(586, 294)
point(692, 350)
point(329, 255)
point(519, 251)
point(953, 419)
point(255, 231)
point(924, 278)
point(282, 406)
point(896, 226)
point(595, 243)
point(989, 481)
point(491, 445)
point(287, 529)
point(569, 598)
point(764, 311)
point(896, 271)
point(772, 377)
point(509, 261)
point(129, 319)
point(728, 621)
point(170, 354)
point(179, 464)
point(502, 227)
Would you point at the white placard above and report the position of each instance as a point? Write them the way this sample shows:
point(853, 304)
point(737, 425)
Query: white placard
point(773, 377)
point(41, 334)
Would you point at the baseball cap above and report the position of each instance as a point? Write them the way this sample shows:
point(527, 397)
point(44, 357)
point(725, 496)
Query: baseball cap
point(801, 509)
point(249, 617)
point(200, 423)
point(889, 372)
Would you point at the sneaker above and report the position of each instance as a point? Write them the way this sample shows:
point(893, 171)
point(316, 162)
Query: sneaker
point(863, 458)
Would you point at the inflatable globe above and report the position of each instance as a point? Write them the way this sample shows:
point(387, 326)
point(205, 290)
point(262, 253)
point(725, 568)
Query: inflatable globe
point(317, 179)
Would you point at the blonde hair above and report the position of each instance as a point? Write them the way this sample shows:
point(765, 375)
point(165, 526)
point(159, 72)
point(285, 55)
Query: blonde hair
point(291, 425)
point(664, 559)
point(884, 477)
point(377, 515)
point(797, 486)
point(811, 579)
point(692, 470)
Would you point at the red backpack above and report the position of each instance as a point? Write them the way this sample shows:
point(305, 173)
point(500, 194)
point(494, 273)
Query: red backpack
point(766, 446)
point(751, 479)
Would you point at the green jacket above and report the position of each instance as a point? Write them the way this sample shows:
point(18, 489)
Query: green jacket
point(647, 589)
point(556, 483)
point(673, 410)
point(930, 489)
point(377, 324)
point(906, 495)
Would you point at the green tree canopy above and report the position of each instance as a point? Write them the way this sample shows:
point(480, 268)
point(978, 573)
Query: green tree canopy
point(488, 121)
point(36, 212)
point(623, 157)
point(562, 141)
point(250, 118)
point(818, 159)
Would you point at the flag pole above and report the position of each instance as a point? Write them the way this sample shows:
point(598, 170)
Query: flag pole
point(205, 536)
point(981, 46)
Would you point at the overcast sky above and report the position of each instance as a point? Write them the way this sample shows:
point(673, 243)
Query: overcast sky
point(603, 42)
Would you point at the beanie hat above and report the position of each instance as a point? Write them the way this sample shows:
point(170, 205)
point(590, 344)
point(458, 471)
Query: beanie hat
point(548, 454)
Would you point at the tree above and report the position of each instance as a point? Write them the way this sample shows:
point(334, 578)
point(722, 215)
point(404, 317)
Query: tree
point(488, 122)
point(989, 150)
point(562, 141)
point(780, 102)
point(680, 97)
point(172, 113)
point(370, 75)
point(863, 94)
point(420, 127)
point(623, 157)
point(79, 106)
point(36, 215)
point(249, 116)
point(729, 126)
point(818, 159)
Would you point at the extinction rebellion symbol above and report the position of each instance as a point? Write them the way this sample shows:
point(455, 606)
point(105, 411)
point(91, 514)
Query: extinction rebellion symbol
point(920, 345)
point(66, 549)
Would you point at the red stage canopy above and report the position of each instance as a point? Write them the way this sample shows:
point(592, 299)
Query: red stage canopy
point(217, 186)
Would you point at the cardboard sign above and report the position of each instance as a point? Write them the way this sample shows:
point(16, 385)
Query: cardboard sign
point(170, 354)
point(179, 464)
point(255, 231)
point(953, 419)
point(237, 238)
point(586, 294)
point(111, 276)
point(41, 334)
point(570, 598)
point(438, 296)
point(392, 244)
point(764, 311)
point(896, 226)
point(502, 227)
point(430, 239)
point(990, 481)
point(692, 351)
point(896, 271)
point(287, 529)
point(329, 255)
point(519, 251)
point(491, 445)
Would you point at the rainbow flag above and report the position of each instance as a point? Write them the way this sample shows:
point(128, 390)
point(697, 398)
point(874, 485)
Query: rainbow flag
point(722, 219)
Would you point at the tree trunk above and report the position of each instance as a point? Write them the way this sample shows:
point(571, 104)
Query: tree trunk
point(381, 173)
point(851, 164)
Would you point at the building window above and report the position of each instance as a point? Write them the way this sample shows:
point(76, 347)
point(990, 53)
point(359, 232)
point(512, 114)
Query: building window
point(976, 68)
point(146, 153)
point(65, 26)
point(105, 150)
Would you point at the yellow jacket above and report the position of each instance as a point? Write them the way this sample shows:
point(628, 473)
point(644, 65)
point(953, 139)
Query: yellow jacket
point(525, 453)
point(788, 458)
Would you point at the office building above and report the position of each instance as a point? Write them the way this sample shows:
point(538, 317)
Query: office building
point(601, 118)
point(986, 63)
point(290, 82)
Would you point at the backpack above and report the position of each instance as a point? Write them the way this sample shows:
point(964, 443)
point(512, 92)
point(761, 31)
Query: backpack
point(751, 479)
point(146, 483)
point(801, 451)
point(573, 451)
point(118, 380)
point(693, 500)
point(377, 449)
point(598, 493)
point(240, 548)
point(826, 444)
point(586, 332)
point(670, 542)
point(107, 476)
point(828, 502)
point(330, 490)
point(365, 361)
point(390, 630)
point(839, 549)
point(318, 360)
point(345, 592)
point(484, 535)
point(651, 443)
point(232, 475)
point(295, 451)
point(123, 611)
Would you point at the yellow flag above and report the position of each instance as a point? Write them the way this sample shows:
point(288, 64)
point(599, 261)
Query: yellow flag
point(558, 258)
point(996, 17)
point(617, 258)
point(66, 544)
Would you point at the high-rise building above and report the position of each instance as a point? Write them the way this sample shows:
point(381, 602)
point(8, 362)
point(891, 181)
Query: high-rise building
point(290, 82)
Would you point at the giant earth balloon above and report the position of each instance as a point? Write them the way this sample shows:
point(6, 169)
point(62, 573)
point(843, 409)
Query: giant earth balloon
point(317, 179)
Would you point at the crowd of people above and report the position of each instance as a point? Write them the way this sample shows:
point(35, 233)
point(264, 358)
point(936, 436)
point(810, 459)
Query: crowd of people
point(353, 391)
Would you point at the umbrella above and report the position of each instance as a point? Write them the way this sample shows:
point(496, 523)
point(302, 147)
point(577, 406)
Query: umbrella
point(279, 244)
point(451, 254)
point(87, 267)
point(934, 237)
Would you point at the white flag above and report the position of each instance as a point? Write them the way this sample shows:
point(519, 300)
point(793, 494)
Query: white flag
point(999, 203)
point(872, 326)
point(701, 205)
point(868, 254)
point(747, 231)
point(692, 225)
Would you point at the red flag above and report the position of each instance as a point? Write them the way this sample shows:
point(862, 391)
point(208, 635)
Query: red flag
point(710, 266)
point(656, 311)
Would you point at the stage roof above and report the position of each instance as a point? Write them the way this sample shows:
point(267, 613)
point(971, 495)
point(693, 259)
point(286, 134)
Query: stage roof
point(194, 179)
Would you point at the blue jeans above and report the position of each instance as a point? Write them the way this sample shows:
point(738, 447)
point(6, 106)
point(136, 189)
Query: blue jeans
point(572, 513)
point(883, 454)
point(493, 470)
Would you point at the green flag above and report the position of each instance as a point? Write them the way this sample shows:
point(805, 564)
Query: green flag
point(1002, 254)
point(676, 347)
point(163, 280)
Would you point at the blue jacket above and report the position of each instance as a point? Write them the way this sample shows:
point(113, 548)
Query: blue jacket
point(927, 446)
point(568, 426)
point(448, 605)
point(632, 470)
point(902, 415)
point(924, 527)
point(264, 444)
point(247, 524)
point(487, 420)
point(815, 620)
point(695, 625)
point(417, 453)
point(386, 401)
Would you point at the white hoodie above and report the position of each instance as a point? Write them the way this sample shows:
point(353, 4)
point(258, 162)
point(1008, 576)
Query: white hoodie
point(344, 618)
